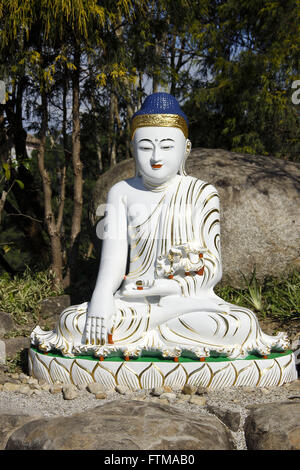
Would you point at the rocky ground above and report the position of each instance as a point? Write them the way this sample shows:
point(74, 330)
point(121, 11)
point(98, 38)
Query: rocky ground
point(23, 397)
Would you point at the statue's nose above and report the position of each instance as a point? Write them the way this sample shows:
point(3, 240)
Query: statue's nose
point(156, 155)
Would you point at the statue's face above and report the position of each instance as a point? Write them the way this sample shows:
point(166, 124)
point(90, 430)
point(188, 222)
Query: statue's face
point(159, 151)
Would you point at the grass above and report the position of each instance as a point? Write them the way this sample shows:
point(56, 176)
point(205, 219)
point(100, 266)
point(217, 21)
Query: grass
point(17, 363)
point(276, 298)
point(21, 296)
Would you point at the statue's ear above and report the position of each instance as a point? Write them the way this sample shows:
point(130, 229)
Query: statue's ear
point(188, 147)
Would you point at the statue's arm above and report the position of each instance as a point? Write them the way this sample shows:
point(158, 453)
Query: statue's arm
point(112, 265)
point(207, 217)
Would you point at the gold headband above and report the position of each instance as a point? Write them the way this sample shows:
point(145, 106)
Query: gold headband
point(159, 120)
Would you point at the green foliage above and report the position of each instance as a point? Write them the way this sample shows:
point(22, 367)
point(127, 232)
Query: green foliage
point(21, 296)
point(18, 363)
point(277, 298)
point(243, 100)
point(231, 63)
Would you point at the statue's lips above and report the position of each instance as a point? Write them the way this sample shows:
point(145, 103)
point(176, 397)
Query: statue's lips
point(157, 165)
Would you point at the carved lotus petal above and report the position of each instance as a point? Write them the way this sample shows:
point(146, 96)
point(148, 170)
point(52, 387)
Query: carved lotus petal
point(104, 376)
point(176, 377)
point(247, 375)
point(60, 371)
point(288, 368)
point(81, 371)
point(201, 376)
point(39, 367)
point(224, 376)
point(126, 376)
point(270, 372)
point(151, 377)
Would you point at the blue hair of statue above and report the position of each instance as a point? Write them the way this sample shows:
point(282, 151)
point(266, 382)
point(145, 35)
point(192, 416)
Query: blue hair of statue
point(161, 103)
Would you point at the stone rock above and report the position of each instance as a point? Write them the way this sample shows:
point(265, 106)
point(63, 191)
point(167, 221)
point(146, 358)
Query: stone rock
point(164, 401)
point(124, 425)
point(25, 389)
point(6, 323)
point(24, 377)
point(46, 387)
point(42, 382)
point(2, 352)
point(53, 306)
point(184, 398)
point(201, 390)
point(157, 391)
point(293, 386)
point(167, 389)
point(123, 390)
point(11, 387)
point(15, 345)
point(189, 389)
point(230, 418)
point(69, 392)
point(140, 397)
point(171, 397)
point(55, 389)
point(82, 386)
point(32, 380)
point(273, 426)
point(95, 388)
point(5, 378)
point(259, 224)
point(10, 421)
point(34, 386)
point(15, 376)
point(100, 396)
point(197, 400)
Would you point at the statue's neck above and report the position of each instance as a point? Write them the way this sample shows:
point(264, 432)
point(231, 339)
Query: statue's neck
point(158, 186)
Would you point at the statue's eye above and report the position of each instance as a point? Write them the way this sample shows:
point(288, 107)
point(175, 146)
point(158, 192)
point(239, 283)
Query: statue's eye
point(146, 149)
point(167, 147)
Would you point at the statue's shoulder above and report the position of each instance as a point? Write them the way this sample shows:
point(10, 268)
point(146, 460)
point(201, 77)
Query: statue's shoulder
point(119, 187)
point(198, 184)
point(124, 188)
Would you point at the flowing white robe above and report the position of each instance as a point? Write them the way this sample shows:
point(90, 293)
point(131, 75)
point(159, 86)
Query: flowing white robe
point(196, 321)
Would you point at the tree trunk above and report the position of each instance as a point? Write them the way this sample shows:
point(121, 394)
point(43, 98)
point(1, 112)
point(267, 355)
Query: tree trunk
point(2, 202)
point(56, 251)
point(28, 198)
point(77, 169)
point(97, 136)
point(112, 135)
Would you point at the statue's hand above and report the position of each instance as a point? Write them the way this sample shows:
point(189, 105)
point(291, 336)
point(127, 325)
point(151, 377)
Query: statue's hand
point(146, 288)
point(98, 323)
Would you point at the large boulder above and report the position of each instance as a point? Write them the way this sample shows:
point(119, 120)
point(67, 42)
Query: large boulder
point(10, 421)
point(15, 345)
point(260, 209)
point(273, 426)
point(6, 323)
point(124, 425)
point(53, 306)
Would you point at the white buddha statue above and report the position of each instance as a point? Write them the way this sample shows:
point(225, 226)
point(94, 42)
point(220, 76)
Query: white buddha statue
point(168, 224)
